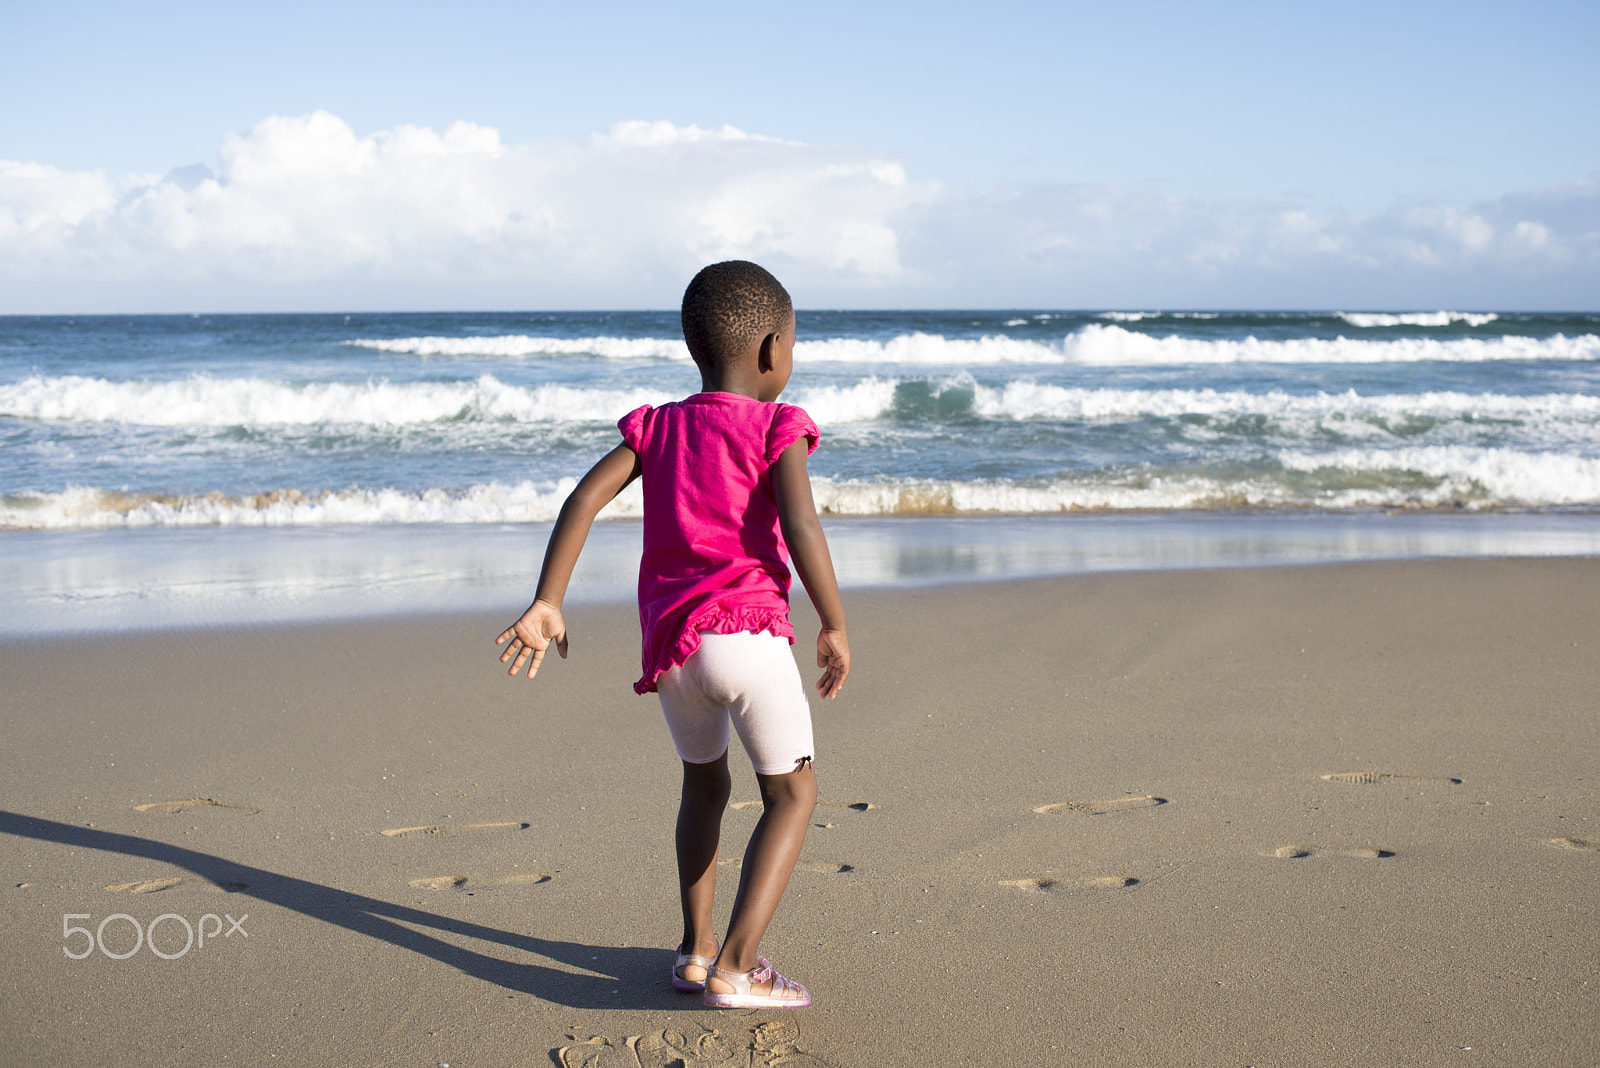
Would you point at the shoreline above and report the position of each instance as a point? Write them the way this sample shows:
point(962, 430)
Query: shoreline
point(154, 579)
point(1310, 815)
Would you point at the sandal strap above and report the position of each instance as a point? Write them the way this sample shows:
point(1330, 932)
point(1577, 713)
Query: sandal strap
point(687, 959)
point(782, 987)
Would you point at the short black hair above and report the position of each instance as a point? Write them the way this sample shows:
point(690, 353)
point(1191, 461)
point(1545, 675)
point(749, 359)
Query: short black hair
point(729, 306)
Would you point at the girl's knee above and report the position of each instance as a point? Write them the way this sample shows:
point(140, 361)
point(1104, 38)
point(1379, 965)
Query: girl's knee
point(798, 788)
point(710, 781)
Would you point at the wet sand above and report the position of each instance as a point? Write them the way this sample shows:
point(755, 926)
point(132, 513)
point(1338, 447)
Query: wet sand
point(1309, 816)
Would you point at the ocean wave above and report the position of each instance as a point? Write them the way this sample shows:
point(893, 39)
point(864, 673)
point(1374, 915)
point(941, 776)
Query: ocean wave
point(1035, 400)
point(92, 508)
point(1428, 477)
point(1422, 477)
point(908, 498)
point(514, 345)
point(1139, 316)
point(201, 401)
point(863, 402)
point(1093, 345)
point(204, 401)
point(1480, 475)
point(1109, 345)
point(1438, 318)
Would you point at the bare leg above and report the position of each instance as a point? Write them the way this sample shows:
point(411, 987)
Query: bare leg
point(700, 807)
point(788, 802)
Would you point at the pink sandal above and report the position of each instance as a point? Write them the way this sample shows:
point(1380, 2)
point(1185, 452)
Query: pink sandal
point(786, 993)
point(686, 960)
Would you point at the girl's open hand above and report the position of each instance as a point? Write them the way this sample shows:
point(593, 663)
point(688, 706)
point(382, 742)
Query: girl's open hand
point(833, 654)
point(533, 634)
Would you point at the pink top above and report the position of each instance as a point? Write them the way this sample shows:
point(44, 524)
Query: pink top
point(714, 556)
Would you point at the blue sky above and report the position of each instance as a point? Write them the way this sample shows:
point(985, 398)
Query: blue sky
point(922, 154)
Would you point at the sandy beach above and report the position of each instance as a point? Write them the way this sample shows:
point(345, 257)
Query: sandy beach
point(1292, 816)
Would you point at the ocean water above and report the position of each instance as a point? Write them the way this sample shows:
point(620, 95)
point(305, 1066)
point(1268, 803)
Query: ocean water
point(355, 424)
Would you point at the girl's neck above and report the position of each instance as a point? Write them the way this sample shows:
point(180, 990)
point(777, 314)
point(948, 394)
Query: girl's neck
point(745, 380)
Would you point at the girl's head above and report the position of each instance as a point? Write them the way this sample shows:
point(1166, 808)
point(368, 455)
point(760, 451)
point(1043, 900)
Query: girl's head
point(729, 309)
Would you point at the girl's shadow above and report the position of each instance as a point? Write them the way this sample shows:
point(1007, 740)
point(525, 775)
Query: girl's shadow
point(620, 967)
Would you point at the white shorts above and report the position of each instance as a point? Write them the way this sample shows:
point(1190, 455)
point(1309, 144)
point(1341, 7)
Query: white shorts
point(751, 679)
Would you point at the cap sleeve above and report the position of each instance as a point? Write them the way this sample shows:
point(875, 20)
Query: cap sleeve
point(789, 426)
point(632, 427)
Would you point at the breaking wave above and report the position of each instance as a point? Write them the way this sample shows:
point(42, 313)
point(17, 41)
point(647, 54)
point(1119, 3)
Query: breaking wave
point(1421, 477)
point(89, 507)
point(1140, 316)
point(1093, 345)
point(1438, 318)
point(201, 401)
point(511, 345)
point(204, 401)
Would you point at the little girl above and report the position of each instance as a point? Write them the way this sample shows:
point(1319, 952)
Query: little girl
point(727, 500)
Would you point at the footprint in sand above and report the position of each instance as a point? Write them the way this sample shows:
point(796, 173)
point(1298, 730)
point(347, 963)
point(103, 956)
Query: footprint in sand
point(1047, 885)
point(824, 867)
point(826, 825)
point(821, 867)
point(193, 802)
point(767, 1045)
point(183, 882)
point(1299, 852)
point(1102, 808)
point(669, 1048)
point(853, 806)
point(1582, 845)
point(596, 1052)
point(477, 882)
point(1367, 778)
point(453, 830)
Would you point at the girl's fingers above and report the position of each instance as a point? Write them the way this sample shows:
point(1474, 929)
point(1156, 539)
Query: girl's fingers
point(522, 652)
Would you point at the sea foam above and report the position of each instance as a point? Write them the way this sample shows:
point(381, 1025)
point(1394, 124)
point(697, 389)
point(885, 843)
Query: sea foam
point(1438, 318)
point(1355, 477)
point(511, 345)
point(200, 400)
point(1139, 316)
point(1501, 477)
point(1113, 346)
point(1093, 345)
point(93, 508)
point(1024, 399)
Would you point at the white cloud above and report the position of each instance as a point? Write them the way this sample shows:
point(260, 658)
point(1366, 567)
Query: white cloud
point(1067, 245)
point(305, 199)
point(304, 212)
point(637, 132)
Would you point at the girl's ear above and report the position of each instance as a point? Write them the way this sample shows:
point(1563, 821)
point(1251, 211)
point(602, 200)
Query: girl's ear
point(764, 357)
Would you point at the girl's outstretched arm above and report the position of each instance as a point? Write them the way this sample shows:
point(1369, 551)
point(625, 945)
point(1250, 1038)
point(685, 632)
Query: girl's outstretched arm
point(808, 548)
point(542, 624)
